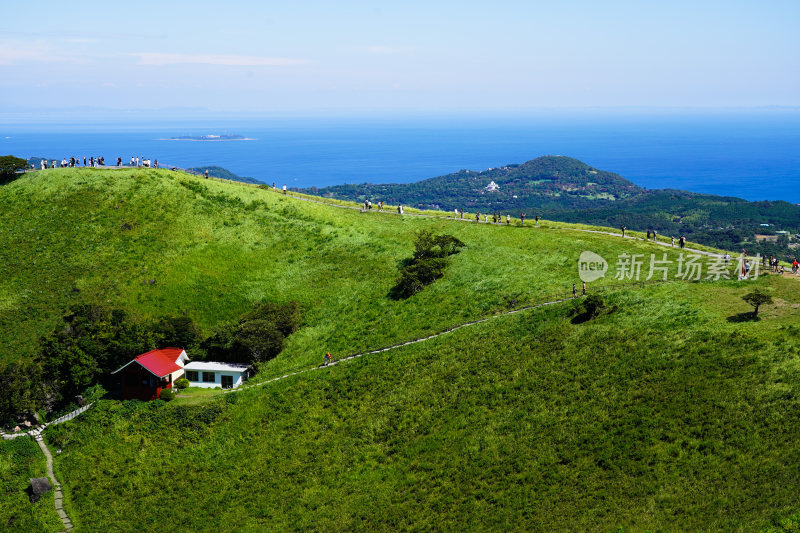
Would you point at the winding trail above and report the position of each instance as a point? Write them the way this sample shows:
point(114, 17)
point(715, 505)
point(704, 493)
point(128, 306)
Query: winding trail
point(58, 495)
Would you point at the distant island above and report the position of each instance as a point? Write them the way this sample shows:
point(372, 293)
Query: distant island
point(208, 138)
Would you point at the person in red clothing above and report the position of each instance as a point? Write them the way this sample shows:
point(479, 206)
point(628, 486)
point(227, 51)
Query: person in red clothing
point(328, 359)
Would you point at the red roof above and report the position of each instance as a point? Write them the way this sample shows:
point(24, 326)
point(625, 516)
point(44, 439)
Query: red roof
point(160, 362)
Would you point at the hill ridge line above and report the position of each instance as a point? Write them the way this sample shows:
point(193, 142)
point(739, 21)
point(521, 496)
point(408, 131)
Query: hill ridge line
point(469, 221)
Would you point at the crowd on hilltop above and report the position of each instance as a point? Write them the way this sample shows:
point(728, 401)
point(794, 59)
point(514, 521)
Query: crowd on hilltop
point(94, 162)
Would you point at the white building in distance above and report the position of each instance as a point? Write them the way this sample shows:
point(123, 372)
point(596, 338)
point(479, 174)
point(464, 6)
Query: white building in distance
point(492, 186)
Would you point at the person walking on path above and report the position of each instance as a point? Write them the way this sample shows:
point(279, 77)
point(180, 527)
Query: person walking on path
point(623, 228)
point(508, 218)
point(673, 242)
point(327, 360)
point(648, 234)
point(400, 208)
point(462, 214)
point(455, 213)
point(584, 288)
point(206, 174)
point(574, 291)
point(284, 188)
point(522, 218)
point(655, 235)
point(537, 220)
point(478, 217)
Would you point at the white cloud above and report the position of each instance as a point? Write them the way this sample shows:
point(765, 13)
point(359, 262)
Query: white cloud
point(17, 52)
point(161, 59)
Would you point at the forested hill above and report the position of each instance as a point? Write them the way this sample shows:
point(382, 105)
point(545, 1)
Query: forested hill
point(549, 181)
point(563, 188)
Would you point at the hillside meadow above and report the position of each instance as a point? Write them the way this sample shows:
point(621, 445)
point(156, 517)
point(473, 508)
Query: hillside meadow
point(660, 414)
point(668, 411)
point(157, 243)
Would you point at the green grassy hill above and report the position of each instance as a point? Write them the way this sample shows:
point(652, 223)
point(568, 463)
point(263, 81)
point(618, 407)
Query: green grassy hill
point(666, 412)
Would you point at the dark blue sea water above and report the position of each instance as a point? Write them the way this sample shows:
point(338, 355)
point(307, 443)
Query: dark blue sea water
point(753, 155)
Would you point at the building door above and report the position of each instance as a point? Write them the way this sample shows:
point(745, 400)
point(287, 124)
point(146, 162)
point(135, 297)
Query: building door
point(227, 382)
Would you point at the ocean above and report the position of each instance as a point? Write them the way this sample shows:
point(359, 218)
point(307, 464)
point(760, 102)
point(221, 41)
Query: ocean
point(750, 154)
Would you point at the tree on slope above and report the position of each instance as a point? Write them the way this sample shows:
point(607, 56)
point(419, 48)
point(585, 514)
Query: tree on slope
point(9, 165)
point(757, 298)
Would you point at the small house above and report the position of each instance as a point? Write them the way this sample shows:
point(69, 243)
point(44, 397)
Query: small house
point(210, 374)
point(146, 375)
point(492, 186)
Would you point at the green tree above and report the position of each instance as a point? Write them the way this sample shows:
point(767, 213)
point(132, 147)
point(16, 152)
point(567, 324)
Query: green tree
point(757, 298)
point(9, 165)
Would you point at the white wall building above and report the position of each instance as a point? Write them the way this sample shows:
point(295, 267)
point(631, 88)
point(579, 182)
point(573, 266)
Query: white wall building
point(210, 374)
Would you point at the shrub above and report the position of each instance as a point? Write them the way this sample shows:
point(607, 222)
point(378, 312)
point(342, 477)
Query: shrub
point(181, 383)
point(167, 395)
point(9, 165)
point(427, 264)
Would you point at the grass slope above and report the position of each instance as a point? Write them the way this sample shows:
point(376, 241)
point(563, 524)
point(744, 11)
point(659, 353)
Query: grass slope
point(661, 416)
point(160, 243)
point(20, 460)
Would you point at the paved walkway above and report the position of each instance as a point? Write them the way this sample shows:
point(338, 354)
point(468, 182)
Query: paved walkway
point(58, 496)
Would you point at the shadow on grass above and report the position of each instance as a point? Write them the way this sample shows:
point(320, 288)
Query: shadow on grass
point(744, 317)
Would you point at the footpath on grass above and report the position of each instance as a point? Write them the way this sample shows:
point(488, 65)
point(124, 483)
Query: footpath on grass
point(36, 433)
point(445, 332)
point(58, 495)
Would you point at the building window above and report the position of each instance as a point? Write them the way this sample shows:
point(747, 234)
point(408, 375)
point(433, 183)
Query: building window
point(191, 375)
point(208, 377)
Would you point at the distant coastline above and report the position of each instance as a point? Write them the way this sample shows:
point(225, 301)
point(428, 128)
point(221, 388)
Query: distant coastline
point(212, 138)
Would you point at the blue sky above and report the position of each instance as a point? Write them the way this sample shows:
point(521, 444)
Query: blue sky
point(398, 57)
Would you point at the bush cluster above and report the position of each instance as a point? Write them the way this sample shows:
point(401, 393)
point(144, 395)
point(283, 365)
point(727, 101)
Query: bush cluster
point(93, 341)
point(431, 253)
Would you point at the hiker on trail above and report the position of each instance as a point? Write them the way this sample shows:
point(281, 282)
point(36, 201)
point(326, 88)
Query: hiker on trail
point(327, 360)
point(462, 214)
point(726, 257)
point(574, 291)
point(400, 208)
point(494, 218)
point(682, 242)
point(478, 217)
point(486, 218)
point(455, 213)
point(206, 173)
point(673, 242)
point(84, 160)
point(380, 205)
point(273, 185)
point(43, 164)
point(284, 188)
point(537, 220)
point(648, 234)
point(508, 218)
point(584, 288)
point(155, 165)
point(119, 162)
point(655, 235)
point(522, 218)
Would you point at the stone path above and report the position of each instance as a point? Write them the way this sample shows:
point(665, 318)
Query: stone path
point(58, 495)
